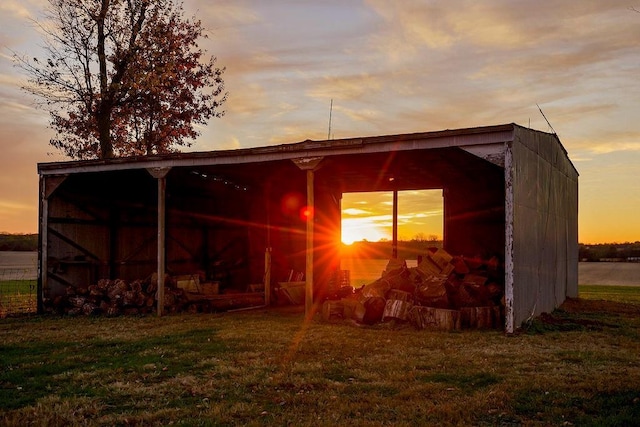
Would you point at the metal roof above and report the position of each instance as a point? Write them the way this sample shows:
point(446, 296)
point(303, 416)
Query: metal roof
point(468, 137)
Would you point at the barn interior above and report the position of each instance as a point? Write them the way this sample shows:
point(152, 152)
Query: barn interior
point(221, 218)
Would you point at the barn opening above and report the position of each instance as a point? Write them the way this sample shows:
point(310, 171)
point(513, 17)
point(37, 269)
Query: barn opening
point(369, 216)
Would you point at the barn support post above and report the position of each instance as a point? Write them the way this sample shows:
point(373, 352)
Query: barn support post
point(308, 299)
point(508, 239)
point(161, 175)
point(268, 249)
point(42, 246)
point(267, 276)
point(162, 186)
point(47, 184)
point(394, 251)
point(113, 242)
point(310, 165)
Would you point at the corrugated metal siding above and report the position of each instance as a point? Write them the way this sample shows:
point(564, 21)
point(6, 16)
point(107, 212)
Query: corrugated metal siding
point(545, 225)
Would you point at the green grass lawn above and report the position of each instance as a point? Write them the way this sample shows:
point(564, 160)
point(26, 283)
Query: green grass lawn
point(17, 296)
point(629, 294)
point(8, 287)
point(577, 366)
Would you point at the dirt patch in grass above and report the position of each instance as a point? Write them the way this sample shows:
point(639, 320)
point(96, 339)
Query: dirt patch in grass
point(586, 306)
point(583, 314)
point(557, 321)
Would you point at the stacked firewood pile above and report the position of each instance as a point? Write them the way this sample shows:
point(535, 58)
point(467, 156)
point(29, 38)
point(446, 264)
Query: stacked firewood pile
point(443, 292)
point(116, 297)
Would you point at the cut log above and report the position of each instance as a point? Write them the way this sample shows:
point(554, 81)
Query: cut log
point(104, 284)
point(95, 291)
point(332, 310)
point(434, 318)
point(129, 298)
point(396, 309)
point(432, 292)
point(89, 309)
point(353, 309)
point(190, 282)
point(377, 289)
point(475, 279)
point(460, 267)
point(115, 297)
point(428, 267)
point(113, 310)
point(77, 302)
point(394, 266)
point(441, 257)
point(136, 286)
point(484, 317)
point(213, 288)
point(399, 295)
point(498, 319)
point(374, 309)
point(480, 317)
point(292, 292)
point(474, 262)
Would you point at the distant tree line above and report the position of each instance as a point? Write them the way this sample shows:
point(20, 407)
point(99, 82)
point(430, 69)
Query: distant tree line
point(18, 242)
point(411, 248)
point(408, 249)
point(609, 251)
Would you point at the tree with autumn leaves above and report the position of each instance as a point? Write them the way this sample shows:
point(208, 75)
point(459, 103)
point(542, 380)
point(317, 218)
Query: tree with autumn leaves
point(123, 77)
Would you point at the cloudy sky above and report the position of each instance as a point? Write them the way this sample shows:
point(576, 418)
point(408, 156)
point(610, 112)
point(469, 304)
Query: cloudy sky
point(391, 67)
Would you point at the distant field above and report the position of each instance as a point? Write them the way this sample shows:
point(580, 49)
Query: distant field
point(15, 265)
point(609, 273)
point(364, 271)
point(22, 266)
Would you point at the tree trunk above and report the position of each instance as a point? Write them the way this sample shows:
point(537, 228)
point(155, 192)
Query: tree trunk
point(104, 131)
point(103, 118)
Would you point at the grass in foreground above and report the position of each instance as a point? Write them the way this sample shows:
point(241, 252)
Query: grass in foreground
point(629, 294)
point(17, 296)
point(578, 365)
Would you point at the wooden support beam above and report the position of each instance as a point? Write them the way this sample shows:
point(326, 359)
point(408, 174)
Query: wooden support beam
point(48, 185)
point(309, 164)
point(73, 244)
point(161, 175)
point(162, 186)
point(51, 184)
point(308, 301)
point(43, 244)
point(394, 251)
point(267, 277)
point(509, 208)
point(114, 229)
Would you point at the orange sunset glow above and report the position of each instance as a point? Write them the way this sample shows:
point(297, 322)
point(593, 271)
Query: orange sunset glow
point(387, 68)
point(368, 216)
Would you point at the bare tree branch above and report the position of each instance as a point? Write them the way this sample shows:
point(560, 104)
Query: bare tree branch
point(122, 77)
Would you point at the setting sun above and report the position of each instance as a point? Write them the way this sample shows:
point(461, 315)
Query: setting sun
point(368, 216)
point(357, 229)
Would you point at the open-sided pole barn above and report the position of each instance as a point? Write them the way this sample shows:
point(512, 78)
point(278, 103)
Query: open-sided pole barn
point(508, 191)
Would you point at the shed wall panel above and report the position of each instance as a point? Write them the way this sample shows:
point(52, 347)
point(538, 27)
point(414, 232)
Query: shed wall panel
point(545, 225)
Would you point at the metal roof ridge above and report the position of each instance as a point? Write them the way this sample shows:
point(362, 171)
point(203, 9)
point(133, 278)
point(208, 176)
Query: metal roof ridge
point(302, 146)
